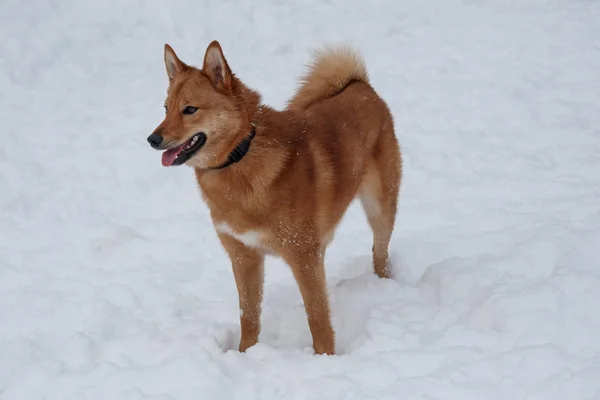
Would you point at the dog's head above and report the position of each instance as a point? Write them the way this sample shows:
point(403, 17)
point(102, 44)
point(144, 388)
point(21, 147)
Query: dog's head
point(204, 118)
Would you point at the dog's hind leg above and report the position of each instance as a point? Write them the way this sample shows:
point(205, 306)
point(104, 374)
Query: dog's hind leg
point(379, 194)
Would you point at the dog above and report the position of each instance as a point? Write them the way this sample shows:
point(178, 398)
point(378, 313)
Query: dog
point(279, 182)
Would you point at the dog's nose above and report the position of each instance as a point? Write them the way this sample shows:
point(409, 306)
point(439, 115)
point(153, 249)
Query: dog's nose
point(155, 140)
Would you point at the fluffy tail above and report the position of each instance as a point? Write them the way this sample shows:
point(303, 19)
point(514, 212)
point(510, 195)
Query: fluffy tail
point(330, 72)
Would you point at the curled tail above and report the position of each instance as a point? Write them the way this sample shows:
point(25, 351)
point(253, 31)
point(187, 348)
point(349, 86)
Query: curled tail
point(330, 72)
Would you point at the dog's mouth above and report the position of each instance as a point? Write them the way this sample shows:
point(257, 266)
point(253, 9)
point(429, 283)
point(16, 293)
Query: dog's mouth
point(184, 152)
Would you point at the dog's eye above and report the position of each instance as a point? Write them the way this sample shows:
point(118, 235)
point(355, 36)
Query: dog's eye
point(166, 109)
point(189, 110)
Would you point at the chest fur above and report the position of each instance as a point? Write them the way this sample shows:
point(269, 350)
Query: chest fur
point(250, 238)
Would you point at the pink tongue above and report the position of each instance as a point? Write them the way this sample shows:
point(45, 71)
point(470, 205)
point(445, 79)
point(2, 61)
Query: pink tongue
point(170, 155)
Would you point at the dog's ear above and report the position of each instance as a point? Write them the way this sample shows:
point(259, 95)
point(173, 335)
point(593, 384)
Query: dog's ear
point(174, 65)
point(216, 68)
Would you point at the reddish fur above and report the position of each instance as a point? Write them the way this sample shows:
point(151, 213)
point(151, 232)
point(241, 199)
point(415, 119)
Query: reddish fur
point(331, 71)
point(335, 141)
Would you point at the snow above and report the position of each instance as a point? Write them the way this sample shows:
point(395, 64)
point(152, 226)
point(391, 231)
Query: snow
point(113, 284)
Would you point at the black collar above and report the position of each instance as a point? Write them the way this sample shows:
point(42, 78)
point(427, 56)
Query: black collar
point(239, 151)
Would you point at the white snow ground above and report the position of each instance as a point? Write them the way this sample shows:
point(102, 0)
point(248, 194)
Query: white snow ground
point(113, 284)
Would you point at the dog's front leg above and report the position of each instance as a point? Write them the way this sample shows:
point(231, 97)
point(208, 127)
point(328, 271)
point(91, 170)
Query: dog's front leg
point(247, 266)
point(309, 270)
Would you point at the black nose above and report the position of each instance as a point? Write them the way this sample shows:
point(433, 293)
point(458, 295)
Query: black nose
point(155, 140)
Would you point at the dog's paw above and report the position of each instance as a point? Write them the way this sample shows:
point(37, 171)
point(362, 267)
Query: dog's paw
point(245, 344)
